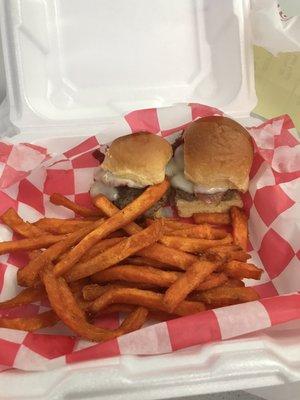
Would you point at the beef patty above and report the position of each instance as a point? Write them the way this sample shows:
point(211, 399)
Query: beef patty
point(207, 198)
point(128, 194)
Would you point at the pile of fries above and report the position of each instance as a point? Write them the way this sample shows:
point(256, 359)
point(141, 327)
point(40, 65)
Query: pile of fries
point(104, 262)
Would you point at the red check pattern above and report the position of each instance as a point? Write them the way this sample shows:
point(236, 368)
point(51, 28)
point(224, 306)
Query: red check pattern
point(28, 175)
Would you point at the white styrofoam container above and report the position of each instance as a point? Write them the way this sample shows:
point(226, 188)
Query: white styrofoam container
point(268, 358)
point(72, 67)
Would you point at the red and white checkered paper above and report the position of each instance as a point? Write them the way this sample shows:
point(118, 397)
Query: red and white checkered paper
point(29, 175)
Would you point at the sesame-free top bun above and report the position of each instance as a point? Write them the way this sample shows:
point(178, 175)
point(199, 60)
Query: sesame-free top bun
point(218, 152)
point(140, 157)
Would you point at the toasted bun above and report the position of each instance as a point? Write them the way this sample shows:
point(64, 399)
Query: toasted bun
point(218, 152)
point(140, 157)
point(188, 208)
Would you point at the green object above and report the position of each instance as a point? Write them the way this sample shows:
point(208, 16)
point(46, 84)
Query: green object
point(290, 7)
point(277, 81)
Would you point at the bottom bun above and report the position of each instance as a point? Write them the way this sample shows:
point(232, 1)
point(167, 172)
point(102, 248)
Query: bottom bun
point(188, 208)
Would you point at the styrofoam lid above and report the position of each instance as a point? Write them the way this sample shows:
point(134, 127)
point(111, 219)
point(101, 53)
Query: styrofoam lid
point(81, 62)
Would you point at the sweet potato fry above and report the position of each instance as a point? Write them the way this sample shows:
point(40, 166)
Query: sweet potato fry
point(240, 270)
point(30, 244)
point(77, 287)
point(184, 229)
point(148, 299)
point(34, 254)
point(116, 253)
point(228, 253)
point(116, 308)
point(136, 260)
point(109, 209)
point(215, 279)
point(157, 251)
point(186, 283)
point(172, 224)
point(239, 256)
point(148, 198)
point(98, 248)
point(164, 254)
point(225, 248)
point(29, 275)
point(66, 307)
point(138, 285)
point(212, 218)
point(30, 324)
point(93, 290)
point(239, 227)
point(60, 200)
point(16, 223)
point(137, 274)
point(101, 247)
point(176, 224)
point(147, 275)
point(192, 245)
point(161, 315)
point(135, 320)
point(225, 296)
point(26, 296)
point(116, 234)
point(232, 282)
point(61, 226)
point(204, 231)
point(126, 308)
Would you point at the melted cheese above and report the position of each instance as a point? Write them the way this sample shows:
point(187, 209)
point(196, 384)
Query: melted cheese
point(111, 179)
point(179, 157)
point(175, 170)
point(99, 187)
point(179, 181)
point(172, 168)
point(106, 183)
point(205, 190)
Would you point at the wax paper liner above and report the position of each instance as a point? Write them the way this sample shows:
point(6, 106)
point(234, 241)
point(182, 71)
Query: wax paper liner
point(29, 175)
